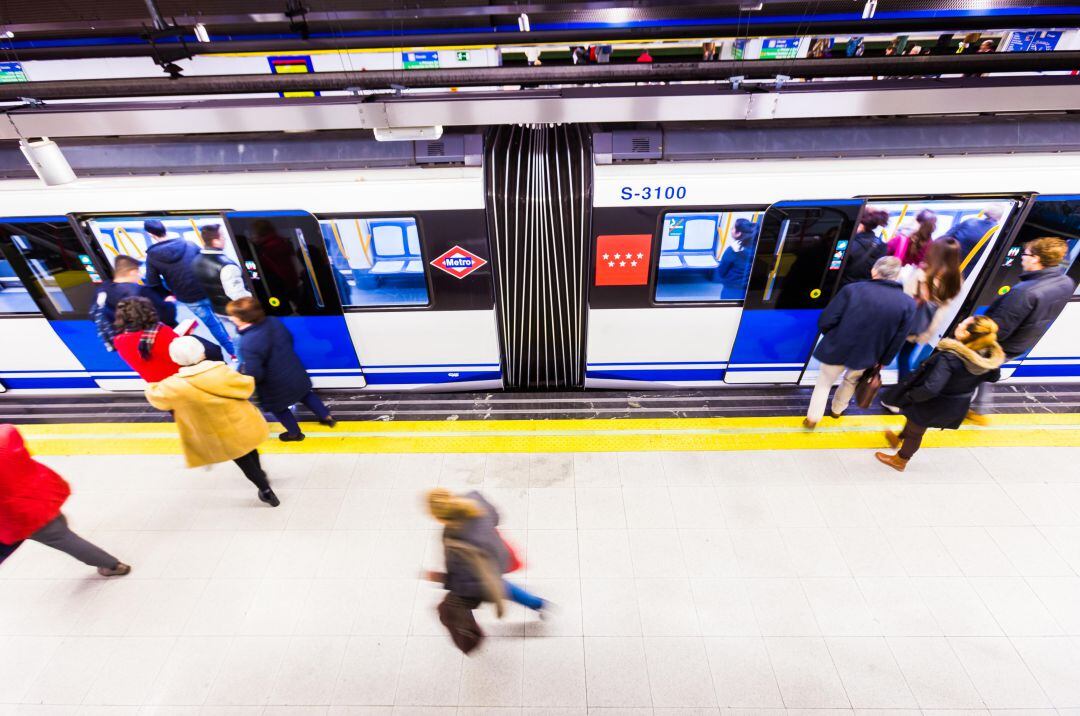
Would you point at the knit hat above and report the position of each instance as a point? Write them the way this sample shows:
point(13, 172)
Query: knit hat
point(187, 350)
point(445, 506)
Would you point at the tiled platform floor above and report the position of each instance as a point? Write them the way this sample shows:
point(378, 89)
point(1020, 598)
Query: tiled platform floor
point(686, 583)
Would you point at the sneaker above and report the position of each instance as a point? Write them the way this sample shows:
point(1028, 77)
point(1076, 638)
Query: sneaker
point(546, 610)
point(329, 422)
point(118, 571)
point(891, 408)
point(291, 437)
point(269, 498)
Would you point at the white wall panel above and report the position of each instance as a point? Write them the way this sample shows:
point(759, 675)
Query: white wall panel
point(769, 181)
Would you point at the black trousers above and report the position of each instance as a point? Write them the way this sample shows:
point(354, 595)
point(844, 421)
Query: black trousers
point(253, 469)
point(912, 435)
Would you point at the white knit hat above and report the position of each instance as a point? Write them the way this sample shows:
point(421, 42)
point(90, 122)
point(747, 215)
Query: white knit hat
point(187, 350)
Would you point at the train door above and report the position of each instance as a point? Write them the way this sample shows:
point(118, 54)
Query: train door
point(796, 269)
point(287, 266)
point(1056, 357)
point(47, 284)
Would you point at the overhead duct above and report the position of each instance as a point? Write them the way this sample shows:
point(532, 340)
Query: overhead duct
point(974, 64)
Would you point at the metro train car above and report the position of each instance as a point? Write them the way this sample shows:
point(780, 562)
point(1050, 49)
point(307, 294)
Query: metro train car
point(387, 280)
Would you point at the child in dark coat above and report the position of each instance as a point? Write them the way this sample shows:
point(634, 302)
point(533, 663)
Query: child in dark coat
point(939, 393)
point(267, 355)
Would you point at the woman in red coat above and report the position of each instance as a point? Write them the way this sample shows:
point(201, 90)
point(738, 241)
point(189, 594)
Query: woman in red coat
point(143, 341)
point(31, 496)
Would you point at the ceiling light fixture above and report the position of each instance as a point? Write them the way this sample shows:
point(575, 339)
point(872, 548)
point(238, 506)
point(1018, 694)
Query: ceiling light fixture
point(523, 22)
point(201, 34)
point(869, 9)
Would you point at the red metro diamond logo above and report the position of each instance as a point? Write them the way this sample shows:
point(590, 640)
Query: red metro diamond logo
point(458, 262)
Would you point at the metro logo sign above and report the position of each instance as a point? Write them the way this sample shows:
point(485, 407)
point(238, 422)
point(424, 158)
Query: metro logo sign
point(458, 262)
point(623, 259)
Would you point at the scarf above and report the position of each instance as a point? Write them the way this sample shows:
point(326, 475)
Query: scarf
point(483, 566)
point(146, 342)
point(980, 356)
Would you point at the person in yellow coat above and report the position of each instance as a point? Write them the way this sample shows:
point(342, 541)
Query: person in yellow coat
point(215, 419)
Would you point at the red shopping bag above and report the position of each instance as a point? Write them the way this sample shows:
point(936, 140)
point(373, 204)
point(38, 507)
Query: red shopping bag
point(515, 561)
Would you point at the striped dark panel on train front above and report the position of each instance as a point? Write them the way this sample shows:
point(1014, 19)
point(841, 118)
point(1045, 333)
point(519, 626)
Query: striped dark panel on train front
point(539, 181)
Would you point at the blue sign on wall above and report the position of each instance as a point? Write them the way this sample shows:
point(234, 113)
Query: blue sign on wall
point(11, 72)
point(426, 60)
point(1034, 41)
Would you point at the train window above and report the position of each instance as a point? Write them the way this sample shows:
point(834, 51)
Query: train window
point(376, 261)
point(14, 298)
point(46, 258)
point(127, 235)
point(705, 256)
point(972, 222)
point(1049, 218)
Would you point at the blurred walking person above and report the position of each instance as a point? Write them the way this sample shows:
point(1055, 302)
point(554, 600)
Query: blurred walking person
point(215, 419)
point(934, 285)
point(31, 498)
point(125, 283)
point(220, 276)
point(476, 558)
point(865, 247)
point(267, 355)
point(913, 239)
point(939, 394)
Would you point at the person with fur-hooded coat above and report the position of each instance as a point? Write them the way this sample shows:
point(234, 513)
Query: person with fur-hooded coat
point(939, 393)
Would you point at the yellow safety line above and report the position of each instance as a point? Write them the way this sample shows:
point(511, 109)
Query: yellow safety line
point(605, 435)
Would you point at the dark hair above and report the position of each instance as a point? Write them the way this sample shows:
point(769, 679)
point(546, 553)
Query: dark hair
point(927, 221)
point(135, 314)
point(747, 232)
point(209, 232)
point(154, 227)
point(123, 264)
point(247, 309)
point(943, 276)
point(873, 218)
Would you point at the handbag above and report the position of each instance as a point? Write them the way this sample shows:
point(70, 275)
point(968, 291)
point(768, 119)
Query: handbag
point(514, 562)
point(868, 385)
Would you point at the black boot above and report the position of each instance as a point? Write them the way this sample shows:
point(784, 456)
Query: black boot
point(291, 437)
point(269, 497)
point(329, 421)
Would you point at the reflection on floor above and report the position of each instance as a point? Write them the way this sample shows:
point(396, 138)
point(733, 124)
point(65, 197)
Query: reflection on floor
point(695, 581)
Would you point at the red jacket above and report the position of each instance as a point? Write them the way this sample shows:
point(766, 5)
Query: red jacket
point(31, 494)
point(160, 366)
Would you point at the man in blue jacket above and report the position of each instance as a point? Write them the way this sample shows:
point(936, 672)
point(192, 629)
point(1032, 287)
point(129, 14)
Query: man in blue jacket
point(970, 231)
point(169, 268)
point(1027, 311)
point(865, 324)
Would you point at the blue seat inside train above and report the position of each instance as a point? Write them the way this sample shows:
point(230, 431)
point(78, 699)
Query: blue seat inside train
point(689, 243)
point(395, 248)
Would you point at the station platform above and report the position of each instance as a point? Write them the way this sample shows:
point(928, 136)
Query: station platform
point(683, 583)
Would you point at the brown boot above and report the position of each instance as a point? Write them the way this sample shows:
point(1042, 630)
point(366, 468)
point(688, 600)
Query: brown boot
point(893, 439)
point(894, 461)
point(976, 418)
point(808, 424)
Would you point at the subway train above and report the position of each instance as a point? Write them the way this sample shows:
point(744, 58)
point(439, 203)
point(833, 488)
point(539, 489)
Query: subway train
point(395, 280)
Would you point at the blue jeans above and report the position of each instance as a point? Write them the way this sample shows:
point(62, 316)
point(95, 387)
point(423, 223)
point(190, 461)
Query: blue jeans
point(288, 420)
point(204, 311)
point(522, 597)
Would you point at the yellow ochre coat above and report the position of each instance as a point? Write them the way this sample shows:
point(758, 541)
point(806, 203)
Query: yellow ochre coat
point(209, 401)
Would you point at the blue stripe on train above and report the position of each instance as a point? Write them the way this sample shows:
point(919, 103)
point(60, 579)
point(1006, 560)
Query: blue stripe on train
point(414, 378)
point(44, 383)
point(663, 375)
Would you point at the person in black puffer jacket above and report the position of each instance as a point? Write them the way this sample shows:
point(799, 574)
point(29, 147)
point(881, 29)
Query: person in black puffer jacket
point(939, 393)
point(476, 558)
point(866, 247)
point(267, 355)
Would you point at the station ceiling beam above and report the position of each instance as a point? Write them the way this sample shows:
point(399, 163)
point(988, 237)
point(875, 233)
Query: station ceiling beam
point(545, 75)
point(635, 104)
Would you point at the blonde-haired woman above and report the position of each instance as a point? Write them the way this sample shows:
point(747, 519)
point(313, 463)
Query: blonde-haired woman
point(939, 393)
point(476, 558)
point(215, 419)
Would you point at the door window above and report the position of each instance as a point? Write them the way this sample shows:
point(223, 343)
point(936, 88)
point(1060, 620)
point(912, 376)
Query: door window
point(705, 256)
point(1058, 218)
point(54, 269)
point(128, 236)
point(376, 261)
point(14, 298)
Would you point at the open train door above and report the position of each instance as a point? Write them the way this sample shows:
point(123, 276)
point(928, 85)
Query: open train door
point(286, 264)
point(1056, 356)
point(797, 265)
